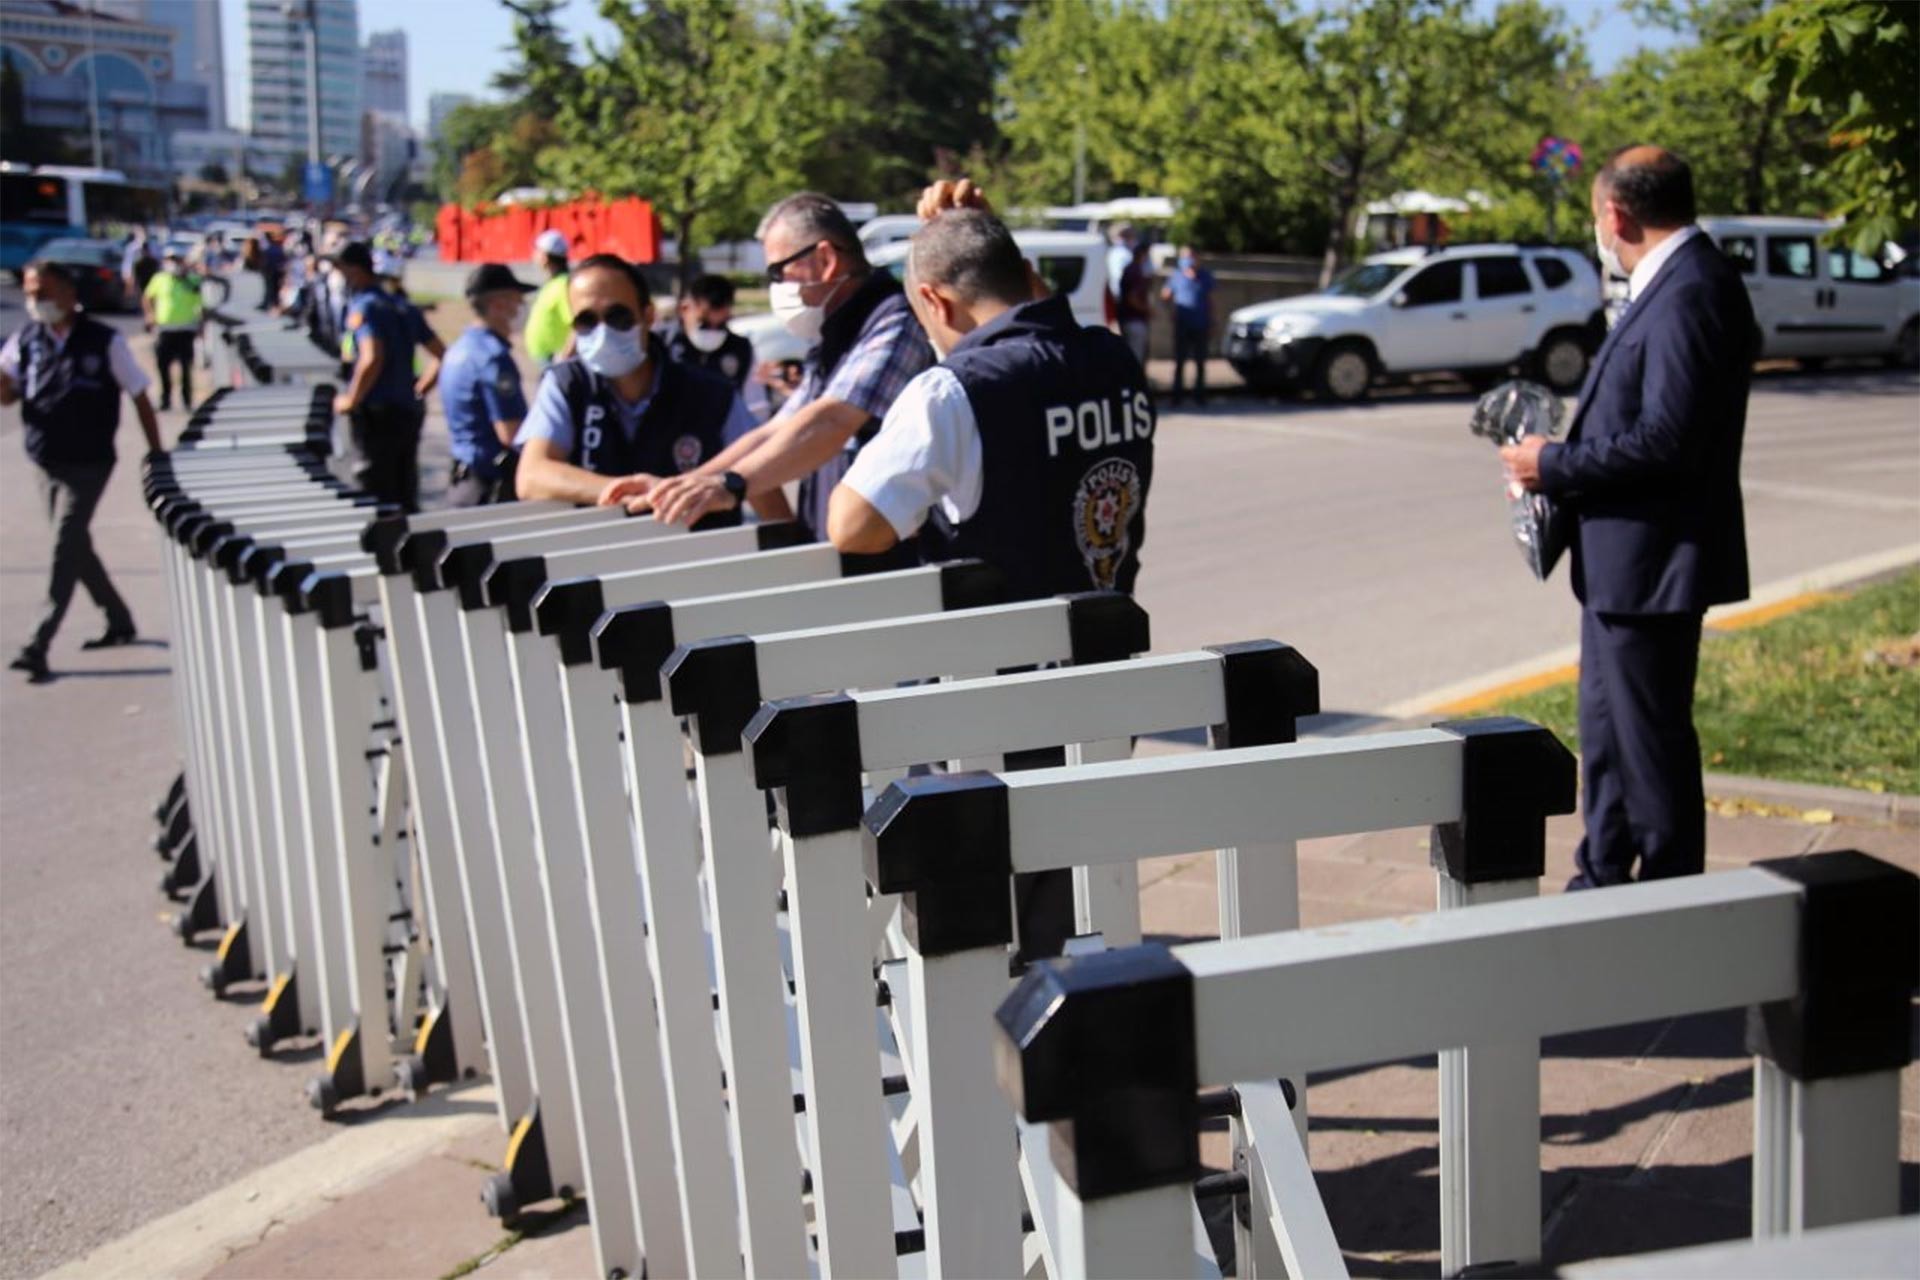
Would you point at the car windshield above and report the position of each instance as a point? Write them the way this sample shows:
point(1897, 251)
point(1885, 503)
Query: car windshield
point(1366, 279)
point(71, 250)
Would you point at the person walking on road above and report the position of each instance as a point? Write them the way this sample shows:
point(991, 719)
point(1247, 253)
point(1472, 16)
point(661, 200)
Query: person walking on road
point(175, 316)
point(382, 400)
point(480, 390)
point(1190, 290)
point(67, 371)
point(549, 323)
point(1133, 306)
point(1650, 471)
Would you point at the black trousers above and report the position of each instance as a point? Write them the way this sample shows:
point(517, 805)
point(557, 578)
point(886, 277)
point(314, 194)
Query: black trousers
point(386, 451)
point(1190, 345)
point(171, 347)
point(1644, 798)
point(70, 492)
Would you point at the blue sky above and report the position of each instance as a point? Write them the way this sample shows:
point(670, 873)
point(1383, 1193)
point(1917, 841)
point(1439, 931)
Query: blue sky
point(455, 46)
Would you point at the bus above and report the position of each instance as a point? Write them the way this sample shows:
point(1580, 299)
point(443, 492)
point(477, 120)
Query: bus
point(47, 202)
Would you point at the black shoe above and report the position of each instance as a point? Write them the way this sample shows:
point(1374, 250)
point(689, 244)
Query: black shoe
point(34, 664)
point(165, 405)
point(114, 638)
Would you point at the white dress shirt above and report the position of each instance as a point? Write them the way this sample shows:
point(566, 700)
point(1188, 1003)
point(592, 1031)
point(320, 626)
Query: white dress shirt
point(1648, 267)
point(126, 370)
point(926, 451)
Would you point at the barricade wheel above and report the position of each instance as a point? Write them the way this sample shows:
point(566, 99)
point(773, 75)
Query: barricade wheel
point(497, 1195)
point(410, 1073)
point(322, 1096)
point(214, 978)
point(259, 1034)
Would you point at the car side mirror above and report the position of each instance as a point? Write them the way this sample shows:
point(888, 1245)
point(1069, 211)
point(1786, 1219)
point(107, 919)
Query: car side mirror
point(1400, 299)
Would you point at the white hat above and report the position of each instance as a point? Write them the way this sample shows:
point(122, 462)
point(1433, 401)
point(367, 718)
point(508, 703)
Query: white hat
point(550, 244)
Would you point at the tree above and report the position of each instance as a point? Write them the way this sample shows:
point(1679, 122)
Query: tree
point(702, 107)
point(1851, 66)
point(536, 82)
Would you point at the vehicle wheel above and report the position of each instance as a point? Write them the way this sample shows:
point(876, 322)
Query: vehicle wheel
point(1344, 373)
point(1906, 351)
point(1561, 362)
point(1812, 364)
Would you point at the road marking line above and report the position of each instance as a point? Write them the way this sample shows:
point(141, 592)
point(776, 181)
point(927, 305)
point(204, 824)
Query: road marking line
point(1847, 498)
point(193, 1241)
point(1740, 619)
point(1483, 690)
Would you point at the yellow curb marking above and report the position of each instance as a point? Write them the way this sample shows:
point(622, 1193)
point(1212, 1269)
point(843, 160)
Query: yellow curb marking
point(1494, 695)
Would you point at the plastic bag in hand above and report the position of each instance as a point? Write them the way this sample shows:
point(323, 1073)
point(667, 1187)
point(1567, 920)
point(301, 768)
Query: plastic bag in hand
point(1503, 415)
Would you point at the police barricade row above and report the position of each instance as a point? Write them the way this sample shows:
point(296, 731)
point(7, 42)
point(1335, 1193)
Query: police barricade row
point(245, 353)
point(626, 940)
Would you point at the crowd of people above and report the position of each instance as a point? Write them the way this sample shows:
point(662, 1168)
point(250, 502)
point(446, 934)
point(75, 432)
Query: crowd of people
point(961, 412)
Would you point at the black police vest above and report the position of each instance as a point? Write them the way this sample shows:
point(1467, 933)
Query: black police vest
point(69, 398)
point(1066, 444)
point(732, 359)
point(683, 425)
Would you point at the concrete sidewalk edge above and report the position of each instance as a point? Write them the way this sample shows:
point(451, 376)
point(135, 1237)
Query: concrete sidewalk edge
point(1889, 808)
point(192, 1241)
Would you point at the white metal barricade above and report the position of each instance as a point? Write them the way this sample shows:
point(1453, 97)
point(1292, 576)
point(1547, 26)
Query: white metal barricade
point(1111, 1049)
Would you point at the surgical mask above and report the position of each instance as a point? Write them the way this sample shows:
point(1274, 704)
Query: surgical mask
point(1609, 255)
point(42, 311)
point(802, 321)
point(707, 340)
point(177, 268)
point(1186, 263)
point(611, 353)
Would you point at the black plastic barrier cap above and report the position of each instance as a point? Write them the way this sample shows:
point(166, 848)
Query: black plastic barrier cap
point(567, 610)
point(1106, 626)
point(512, 584)
point(330, 596)
point(1102, 1046)
point(464, 568)
point(1859, 961)
point(971, 584)
point(1515, 774)
point(813, 744)
point(419, 555)
point(286, 580)
point(779, 534)
point(1269, 686)
point(717, 682)
point(943, 841)
point(381, 540)
point(203, 537)
point(635, 640)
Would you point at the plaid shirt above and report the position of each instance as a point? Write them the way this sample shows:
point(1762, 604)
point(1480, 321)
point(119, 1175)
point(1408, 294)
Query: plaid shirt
point(886, 354)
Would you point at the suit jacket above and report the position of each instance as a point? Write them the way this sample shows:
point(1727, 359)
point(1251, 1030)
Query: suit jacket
point(1651, 466)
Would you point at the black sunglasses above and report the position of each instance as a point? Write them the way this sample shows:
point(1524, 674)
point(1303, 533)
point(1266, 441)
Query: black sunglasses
point(619, 316)
point(777, 271)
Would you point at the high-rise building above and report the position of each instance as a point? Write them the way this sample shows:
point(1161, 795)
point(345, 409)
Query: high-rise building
point(385, 63)
point(198, 54)
point(104, 83)
point(439, 107)
point(277, 71)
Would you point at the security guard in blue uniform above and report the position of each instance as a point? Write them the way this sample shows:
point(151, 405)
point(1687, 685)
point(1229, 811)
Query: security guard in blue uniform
point(1030, 446)
point(382, 399)
point(480, 390)
point(617, 415)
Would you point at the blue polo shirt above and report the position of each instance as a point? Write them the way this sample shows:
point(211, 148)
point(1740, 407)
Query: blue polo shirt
point(479, 386)
point(1190, 296)
point(374, 313)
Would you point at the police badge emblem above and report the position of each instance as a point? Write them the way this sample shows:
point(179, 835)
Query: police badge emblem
point(89, 365)
point(687, 452)
point(1108, 498)
point(730, 365)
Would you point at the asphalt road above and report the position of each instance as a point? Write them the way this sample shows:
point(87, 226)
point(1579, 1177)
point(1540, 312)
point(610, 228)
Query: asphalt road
point(1372, 538)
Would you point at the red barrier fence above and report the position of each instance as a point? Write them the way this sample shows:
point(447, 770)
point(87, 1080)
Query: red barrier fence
point(504, 233)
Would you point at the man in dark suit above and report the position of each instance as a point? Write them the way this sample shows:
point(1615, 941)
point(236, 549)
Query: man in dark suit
point(1651, 474)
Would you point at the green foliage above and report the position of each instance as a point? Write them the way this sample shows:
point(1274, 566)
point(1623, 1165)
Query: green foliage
point(1852, 66)
point(1829, 695)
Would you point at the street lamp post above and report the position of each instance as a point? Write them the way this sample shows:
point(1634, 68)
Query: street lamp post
point(93, 92)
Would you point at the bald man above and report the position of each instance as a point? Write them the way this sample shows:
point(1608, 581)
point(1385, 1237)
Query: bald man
point(1650, 471)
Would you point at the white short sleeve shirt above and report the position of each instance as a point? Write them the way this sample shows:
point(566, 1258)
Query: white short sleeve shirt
point(927, 451)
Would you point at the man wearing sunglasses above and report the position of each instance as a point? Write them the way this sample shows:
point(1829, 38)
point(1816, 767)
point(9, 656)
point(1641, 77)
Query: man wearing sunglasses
point(618, 413)
point(867, 347)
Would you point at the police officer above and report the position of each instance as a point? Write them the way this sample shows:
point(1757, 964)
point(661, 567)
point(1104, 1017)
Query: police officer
point(480, 389)
point(1029, 445)
point(547, 319)
point(617, 413)
point(382, 400)
point(67, 372)
point(699, 333)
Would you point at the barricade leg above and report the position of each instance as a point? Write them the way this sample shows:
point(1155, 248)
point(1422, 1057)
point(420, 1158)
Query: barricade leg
point(320, 837)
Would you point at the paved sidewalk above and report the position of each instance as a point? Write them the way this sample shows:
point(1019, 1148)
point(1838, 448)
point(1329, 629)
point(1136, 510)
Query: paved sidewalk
point(1646, 1130)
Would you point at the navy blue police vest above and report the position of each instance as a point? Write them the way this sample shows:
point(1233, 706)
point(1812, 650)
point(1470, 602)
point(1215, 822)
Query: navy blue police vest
point(69, 398)
point(682, 426)
point(1066, 445)
point(732, 359)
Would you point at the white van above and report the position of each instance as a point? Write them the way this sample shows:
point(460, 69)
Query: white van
point(1814, 299)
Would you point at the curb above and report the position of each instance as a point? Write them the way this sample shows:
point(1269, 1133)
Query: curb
point(1886, 809)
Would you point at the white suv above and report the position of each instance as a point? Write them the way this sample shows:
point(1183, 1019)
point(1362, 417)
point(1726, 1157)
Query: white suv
point(1479, 310)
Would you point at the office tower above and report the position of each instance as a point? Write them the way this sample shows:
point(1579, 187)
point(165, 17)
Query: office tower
point(385, 62)
point(277, 67)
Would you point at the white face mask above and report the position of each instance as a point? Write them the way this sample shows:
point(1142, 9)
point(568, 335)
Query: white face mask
point(802, 321)
point(611, 353)
point(1609, 255)
point(44, 311)
point(707, 340)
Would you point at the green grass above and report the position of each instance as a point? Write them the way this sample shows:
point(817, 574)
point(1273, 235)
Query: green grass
point(1829, 695)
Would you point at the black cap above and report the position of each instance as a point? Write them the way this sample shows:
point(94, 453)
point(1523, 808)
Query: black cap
point(492, 277)
point(355, 254)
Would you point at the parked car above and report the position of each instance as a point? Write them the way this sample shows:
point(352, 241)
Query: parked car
point(1814, 299)
point(1071, 262)
point(1481, 310)
point(96, 271)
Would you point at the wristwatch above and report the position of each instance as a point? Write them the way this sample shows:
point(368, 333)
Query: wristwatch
point(736, 484)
